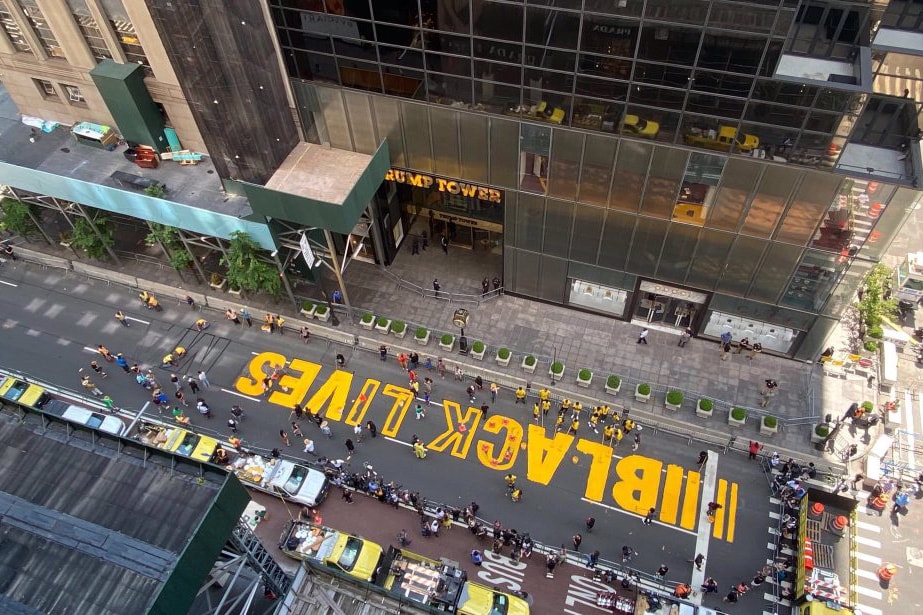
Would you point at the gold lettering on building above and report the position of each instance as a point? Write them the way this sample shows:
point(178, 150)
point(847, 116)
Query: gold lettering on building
point(419, 180)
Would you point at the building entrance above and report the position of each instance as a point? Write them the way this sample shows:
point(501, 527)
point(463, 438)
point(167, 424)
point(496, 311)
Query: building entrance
point(666, 307)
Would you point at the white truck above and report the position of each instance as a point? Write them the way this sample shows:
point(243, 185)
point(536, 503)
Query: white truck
point(281, 477)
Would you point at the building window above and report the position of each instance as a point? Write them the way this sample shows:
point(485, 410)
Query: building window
point(90, 30)
point(46, 89)
point(13, 32)
point(42, 29)
point(128, 39)
point(74, 96)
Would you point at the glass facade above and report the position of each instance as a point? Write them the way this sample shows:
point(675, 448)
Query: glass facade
point(89, 29)
point(632, 140)
point(42, 30)
point(125, 33)
point(12, 29)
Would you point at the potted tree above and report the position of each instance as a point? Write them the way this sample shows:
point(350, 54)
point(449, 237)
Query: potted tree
point(249, 267)
point(367, 321)
point(613, 384)
point(529, 363)
point(322, 312)
point(447, 342)
point(503, 357)
point(478, 350)
point(556, 370)
point(704, 408)
point(233, 290)
point(769, 425)
point(216, 281)
point(673, 400)
point(584, 378)
point(421, 336)
point(308, 309)
point(383, 325)
point(643, 393)
point(737, 417)
point(819, 433)
point(399, 329)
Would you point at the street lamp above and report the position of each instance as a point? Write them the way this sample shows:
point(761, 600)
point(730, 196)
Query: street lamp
point(460, 318)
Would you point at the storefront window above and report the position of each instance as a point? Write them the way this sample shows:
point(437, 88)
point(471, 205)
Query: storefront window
point(535, 144)
point(813, 281)
point(700, 183)
point(598, 298)
point(771, 337)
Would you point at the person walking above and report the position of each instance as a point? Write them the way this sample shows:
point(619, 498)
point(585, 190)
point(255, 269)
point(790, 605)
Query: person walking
point(436, 287)
point(121, 362)
point(445, 244)
point(684, 337)
point(383, 352)
point(232, 316)
point(637, 441)
point(347, 495)
point(296, 430)
point(725, 339)
point(577, 539)
point(485, 286)
point(305, 334)
point(662, 571)
point(350, 448)
point(232, 425)
point(357, 432)
point(725, 351)
point(754, 449)
point(420, 412)
point(181, 397)
point(710, 586)
point(484, 409)
point(373, 429)
point(703, 457)
point(193, 385)
point(419, 450)
point(283, 435)
point(649, 517)
point(245, 314)
point(755, 350)
point(309, 446)
point(699, 561)
point(123, 320)
point(470, 390)
point(590, 523)
point(494, 389)
point(203, 378)
point(280, 324)
point(440, 368)
point(98, 369)
point(642, 337)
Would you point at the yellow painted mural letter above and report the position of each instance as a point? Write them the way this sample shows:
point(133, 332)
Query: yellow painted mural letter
point(545, 454)
point(509, 449)
point(599, 467)
point(459, 430)
point(253, 385)
point(334, 392)
point(362, 402)
point(402, 400)
point(639, 483)
point(297, 386)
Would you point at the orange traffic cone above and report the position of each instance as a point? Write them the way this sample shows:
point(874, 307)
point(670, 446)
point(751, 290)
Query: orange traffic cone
point(887, 572)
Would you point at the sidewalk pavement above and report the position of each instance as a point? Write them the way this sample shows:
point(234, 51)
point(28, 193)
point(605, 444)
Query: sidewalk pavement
point(579, 340)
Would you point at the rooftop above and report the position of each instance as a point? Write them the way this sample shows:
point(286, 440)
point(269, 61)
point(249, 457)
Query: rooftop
point(319, 173)
point(83, 531)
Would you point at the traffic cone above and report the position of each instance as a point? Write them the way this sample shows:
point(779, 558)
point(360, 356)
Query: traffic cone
point(887, 572)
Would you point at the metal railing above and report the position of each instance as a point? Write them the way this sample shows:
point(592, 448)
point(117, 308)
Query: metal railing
point(442, 295)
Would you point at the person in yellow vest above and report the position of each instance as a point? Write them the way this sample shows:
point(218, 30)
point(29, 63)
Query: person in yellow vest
point(594, 423)
point(608, 434)
point(559, 423)
point(520, 395)
point(574, 426)
point(614, 417)
point(565, 406)
point(628, 424)
point(578, 408)
point(280, 325)
point(536, 412)
point(618, 436)
point(201, 324)
point(168, 359)
point(546, 406)
point(419, 450)
point(544, 394)
point(604, 412)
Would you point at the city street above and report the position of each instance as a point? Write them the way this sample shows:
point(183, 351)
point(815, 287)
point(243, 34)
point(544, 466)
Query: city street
point(52, 324)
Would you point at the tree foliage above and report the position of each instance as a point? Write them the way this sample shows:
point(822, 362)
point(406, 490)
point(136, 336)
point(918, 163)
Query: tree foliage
point(874, 307)
point(86, 239)
point(246, 270)
point(15, 217)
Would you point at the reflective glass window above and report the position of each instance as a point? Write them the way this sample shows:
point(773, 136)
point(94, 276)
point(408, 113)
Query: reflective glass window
point(349, 48)
point(550, 28)
point(308, 41)
point(555, 59)
point(602, 88)
point(814, 279)
point(588, 225)
point(453, 65)
point(724, 51)
point(401, 56)
point(496, 97)
point(768, 203)
point(657, 97)
point(566, 150)
point(628, 8)
point(509, 74)
point(498, 20)
point(742, 262)
point(738, 181)
point(312, 67)
point(609, 36)
point(616, 240)
point(447, 43)
point(669, 43)
point(416, 136)
point(700, 184)
point(822, 122)
point(597, 114)
point(394, 35)
point(530, 222)
point(630, 173)
point(447, 90)
point(662, 74)
point(890, 220)
point(732, 16)
point(498, 51)
point(504, 152)
point(784, 93)
point(813, 197)
point(42, 29)
point(404, 13)
point(774, 273)
point(528, 270)
point(559, 218)
point(596, 172)
point(89, 28)
point(677, 252)
point(446, 16)
point(645, 246)
point(388, 126)
point(648, 123)
point(764, 113)
point(715, 105)
point(604, 66)
point(359, 75)
point(559, 82)
point(399, 81)
point(722, 83)
point(684, 11)
point(666, 174)
point(710, 256)
point(443, 123)
point(473, 131)
point(13, 31)
point(535, 146)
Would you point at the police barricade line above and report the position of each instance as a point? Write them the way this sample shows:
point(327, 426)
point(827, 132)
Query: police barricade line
point(41, 259)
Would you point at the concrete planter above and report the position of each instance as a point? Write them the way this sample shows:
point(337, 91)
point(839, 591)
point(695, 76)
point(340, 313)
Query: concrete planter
point(367, 321)
point(584, 382)
point(383, 325)
point(766, 429)
point(704, 408)
point(322, 313)
point(235, 292)
point(737, 422)
point(447, 342)
point(499, 358)
point(219, 286)
point(613, 380)
point(478, 355)
point(526, 367)
point(642, 397)
point(308, 312)
point(399, 330)
point(818, 439)
point(677, 402)
point(556, 376)
point(422, 340)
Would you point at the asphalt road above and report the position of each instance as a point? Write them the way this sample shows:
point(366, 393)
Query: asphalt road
point(51, 325)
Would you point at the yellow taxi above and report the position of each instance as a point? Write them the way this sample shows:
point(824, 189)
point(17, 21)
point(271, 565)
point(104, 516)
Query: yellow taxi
point(189, 444)
point(637, 127)
point(480, 600)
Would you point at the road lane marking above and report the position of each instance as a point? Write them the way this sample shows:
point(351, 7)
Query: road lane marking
point(867, 574)
point(871, 559)
point(92, 350)
point(871, 593)
point(702, 535)
point(869, 610)
point(9, 283)
point(636, 516)
point(230, 392)
point(401, 442)
point(132, 318)
point(868, 542)
point(868, 527)
point(731, 514)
